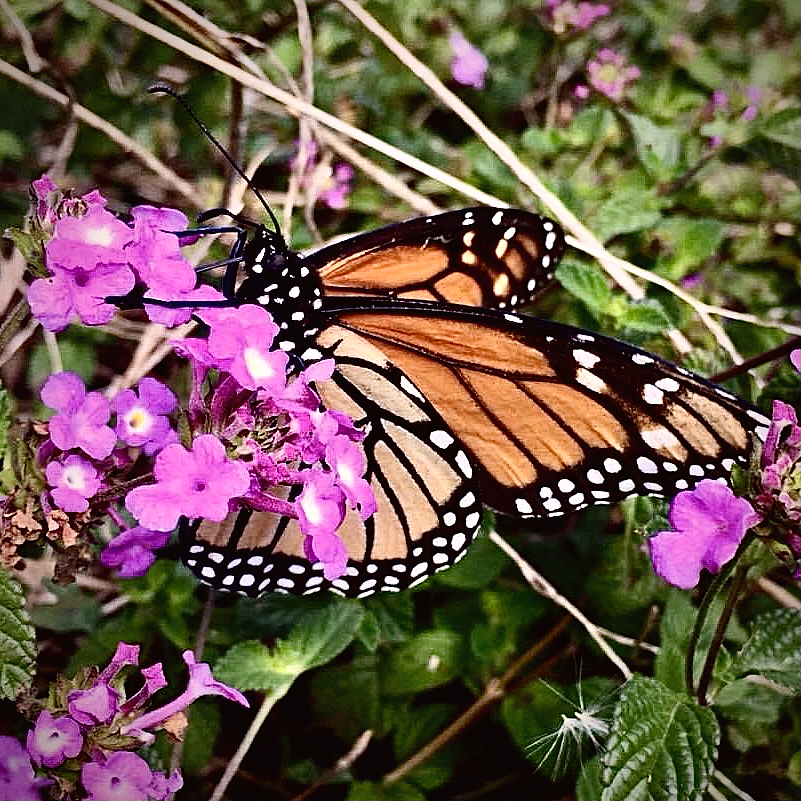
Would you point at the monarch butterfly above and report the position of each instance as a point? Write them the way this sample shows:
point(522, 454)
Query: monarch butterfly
point(463, 400)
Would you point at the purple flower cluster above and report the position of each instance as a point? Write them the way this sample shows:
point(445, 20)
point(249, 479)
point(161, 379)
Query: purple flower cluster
point(609, 74)
point(469, 65)
point(710, 521)
point(566, 15)
point(89, 730)
point(779, 492)
point(82, 423)
point(93, 254)
point(329, 183)
point(252, 432)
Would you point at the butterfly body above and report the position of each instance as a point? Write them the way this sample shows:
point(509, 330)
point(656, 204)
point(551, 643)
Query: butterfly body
point(462, 400)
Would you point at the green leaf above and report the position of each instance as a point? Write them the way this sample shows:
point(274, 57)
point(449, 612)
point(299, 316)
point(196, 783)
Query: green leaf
point(646, 315)
point(17, 639)
point(784, 127)
point(588, 283)
point(322, 635)
point(692, 242)
point(662, 745)
point(626, 211)
point(773, 650)
point(201, 735)
point(658, 146)
point(429, 660)
point(780, 156)
point(75, 610)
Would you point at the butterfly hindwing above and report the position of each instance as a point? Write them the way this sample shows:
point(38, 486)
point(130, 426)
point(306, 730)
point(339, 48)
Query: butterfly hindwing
point(555, 418)
point(481, 256)
point(428, 499)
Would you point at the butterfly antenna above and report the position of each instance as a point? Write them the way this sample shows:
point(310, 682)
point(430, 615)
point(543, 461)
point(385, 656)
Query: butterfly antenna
point(168, 90)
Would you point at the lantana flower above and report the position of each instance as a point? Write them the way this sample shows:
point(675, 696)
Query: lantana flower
point(73, 482)
point(469, 65)
point(18, 781)
point(252, 428)
point(89, 729)
point(566, 15)
point(708, 525)
point(82, 419)
point(142, 415)
point(194, 483)
point(610, 75)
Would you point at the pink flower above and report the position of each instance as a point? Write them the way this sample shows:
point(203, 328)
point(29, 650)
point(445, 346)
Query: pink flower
point(52, 740)
point(82, 417)
point(708, 523)
point(195, 483)
point(73, 481)
point(609, 74)
point(469, 65)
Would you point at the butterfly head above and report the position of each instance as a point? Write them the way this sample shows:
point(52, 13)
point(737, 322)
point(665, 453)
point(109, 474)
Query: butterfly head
point(278, 279)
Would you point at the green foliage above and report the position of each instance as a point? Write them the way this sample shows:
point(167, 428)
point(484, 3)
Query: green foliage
point(314, 641)
point(661, 745)
point(697, 194)
point(17, 641)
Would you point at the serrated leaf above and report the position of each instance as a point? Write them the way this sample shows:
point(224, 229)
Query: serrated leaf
point(323, 634)
point(662, 745)
point(17, 639)
point(586, 282)
point(626, 211)
point(774, 649)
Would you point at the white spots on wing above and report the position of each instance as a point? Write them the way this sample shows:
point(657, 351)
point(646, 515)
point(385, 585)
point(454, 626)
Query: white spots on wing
point(668, 384)
point(642, 358)
point(646, 465)
point(441, 438)
point(653, 395)
point(585, 358)
point(410, 388)
point(590, 380)
point(458, 541)
point(464, 464)
point(523, 506)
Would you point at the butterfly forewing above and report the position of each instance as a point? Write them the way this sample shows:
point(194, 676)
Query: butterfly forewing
point(555, 418)
point(477, 257)
point(428, 500)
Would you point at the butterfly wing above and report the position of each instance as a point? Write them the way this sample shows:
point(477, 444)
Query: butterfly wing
point(428, 499)
point(552, 417)
point(477, 257)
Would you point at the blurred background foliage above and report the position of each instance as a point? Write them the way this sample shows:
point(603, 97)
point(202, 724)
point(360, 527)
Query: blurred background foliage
point(703, 194)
